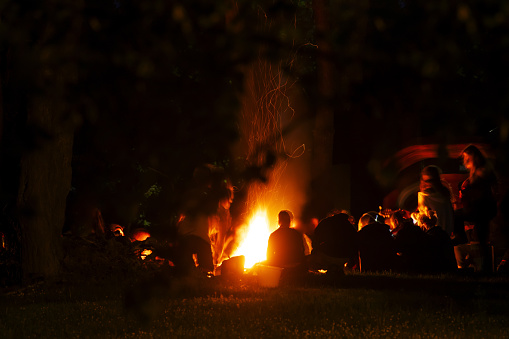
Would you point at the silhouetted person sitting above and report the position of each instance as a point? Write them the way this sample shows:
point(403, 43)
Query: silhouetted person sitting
point(286, 245)
point(441, 249)
point(334, 242)
point(411, 245)
point(376, 245)
point(397, 220)
point(193, 247)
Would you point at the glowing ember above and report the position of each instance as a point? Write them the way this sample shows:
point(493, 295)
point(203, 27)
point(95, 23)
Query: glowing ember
point(140, 234)
point(254, 246)
point(145, 253)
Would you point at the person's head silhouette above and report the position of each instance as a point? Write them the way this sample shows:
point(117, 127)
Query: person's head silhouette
point(284, 219)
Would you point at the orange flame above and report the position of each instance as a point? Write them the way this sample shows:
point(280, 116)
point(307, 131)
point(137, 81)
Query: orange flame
point(255, 239)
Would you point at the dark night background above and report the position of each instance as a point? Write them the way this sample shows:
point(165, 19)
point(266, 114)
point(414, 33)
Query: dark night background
point(113, 104)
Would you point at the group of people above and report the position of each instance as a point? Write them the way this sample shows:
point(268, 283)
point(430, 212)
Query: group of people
point(436, 238)
point(379, 244)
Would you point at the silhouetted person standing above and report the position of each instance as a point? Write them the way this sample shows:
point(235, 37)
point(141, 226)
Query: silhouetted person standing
point(479, 205)
point(286, 245)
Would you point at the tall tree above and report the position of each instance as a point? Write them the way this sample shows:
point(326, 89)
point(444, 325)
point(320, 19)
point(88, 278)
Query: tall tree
point(323, 134)
point(37, 135)
point(45, 181)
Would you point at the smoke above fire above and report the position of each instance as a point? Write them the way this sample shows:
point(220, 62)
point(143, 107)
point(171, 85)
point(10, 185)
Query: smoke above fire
point(271, 127)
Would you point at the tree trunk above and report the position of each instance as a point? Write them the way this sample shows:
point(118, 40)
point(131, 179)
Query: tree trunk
point(45, 180)
point(323, 133)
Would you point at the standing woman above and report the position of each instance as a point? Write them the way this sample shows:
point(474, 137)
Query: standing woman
point(477, 196)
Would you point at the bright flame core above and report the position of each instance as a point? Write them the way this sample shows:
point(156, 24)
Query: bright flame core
point(255, 240)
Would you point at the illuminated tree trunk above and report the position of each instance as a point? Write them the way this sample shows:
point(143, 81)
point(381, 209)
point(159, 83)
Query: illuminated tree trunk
point(323, 133)
point(45, 180)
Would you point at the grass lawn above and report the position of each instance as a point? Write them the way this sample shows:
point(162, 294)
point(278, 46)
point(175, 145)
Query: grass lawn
point(354, 306)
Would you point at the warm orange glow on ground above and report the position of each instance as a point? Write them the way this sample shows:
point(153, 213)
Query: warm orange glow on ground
point(256, 237)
